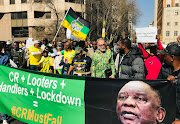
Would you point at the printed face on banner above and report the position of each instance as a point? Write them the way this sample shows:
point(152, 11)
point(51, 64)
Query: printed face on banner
point(138, 103)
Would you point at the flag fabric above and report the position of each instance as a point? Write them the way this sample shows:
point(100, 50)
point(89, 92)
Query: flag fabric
point(69, 35)
point(78, 26)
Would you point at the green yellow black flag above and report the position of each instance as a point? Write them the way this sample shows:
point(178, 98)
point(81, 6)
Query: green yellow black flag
point(78, 26)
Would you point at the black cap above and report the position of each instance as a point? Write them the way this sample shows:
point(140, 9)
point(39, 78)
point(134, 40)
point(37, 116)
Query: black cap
point(172, 48)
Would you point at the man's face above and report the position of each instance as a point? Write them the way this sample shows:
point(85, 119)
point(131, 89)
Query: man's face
point(94, 45)
point(74, 43)
point(121, 48)
point(36, 45)
point(58, 49)
point(67, 46)
point(101, 45)
point(86, 44)
point(168, 59)
point(147, 45)
point(137, 103)
point(45, 54)
point(16, 46)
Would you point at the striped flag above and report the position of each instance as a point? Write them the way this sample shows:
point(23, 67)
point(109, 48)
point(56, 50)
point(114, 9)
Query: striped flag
point(78, 26)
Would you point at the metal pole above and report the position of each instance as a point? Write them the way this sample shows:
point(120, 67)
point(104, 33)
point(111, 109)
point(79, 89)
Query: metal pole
point(60, 25)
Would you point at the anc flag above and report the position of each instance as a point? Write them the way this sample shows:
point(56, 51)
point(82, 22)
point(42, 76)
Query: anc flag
point(78, 26)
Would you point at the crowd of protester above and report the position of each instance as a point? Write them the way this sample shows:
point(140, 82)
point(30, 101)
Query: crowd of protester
point(97, 59)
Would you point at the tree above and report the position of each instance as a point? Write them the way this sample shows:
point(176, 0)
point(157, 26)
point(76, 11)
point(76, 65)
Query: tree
point(115, 14)
point(52, 26)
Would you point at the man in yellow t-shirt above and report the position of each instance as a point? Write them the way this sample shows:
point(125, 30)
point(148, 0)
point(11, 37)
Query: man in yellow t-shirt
point(35, 55)
point(68, 57)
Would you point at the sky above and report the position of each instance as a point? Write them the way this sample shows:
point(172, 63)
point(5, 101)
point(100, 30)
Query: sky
point(147, 13)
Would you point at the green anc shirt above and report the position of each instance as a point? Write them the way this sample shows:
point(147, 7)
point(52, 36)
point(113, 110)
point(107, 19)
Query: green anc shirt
point(102, 62)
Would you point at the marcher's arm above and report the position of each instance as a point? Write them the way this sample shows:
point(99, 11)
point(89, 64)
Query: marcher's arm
point(160, 47)
point(35, 53)
point(41, 60)
point(93, 67)
point(113, 68)
point(172, 78)
point(70, 69)
point(52, 69)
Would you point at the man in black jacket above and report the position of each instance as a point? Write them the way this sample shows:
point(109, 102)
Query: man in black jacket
point(129, 64)
point(172, 58)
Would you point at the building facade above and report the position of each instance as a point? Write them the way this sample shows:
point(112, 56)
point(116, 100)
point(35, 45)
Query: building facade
point(167, 19)
point(21, 19)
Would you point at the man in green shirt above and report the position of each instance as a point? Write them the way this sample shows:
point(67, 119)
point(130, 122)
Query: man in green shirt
point(102, 63)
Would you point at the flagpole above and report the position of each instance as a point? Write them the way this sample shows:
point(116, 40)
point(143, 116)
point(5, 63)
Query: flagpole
point(60, 25)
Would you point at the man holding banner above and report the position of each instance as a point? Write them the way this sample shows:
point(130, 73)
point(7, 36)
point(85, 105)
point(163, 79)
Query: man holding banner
point(172, 58)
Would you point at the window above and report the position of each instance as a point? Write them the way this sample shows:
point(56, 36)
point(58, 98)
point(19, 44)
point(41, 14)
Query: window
point(75, 1)
point(167, 33)
point(176, 13)
point(48, 15)
point(168, 5)
point(19, 15)
point(12, 2)
point(23, 1)
point(176, 4)
point(175, 33)
point(38, 1)
point(20, 31)
point(48, 1)
point(1, 15)
point(38, 14)
point(168, 23)
point(176, 23)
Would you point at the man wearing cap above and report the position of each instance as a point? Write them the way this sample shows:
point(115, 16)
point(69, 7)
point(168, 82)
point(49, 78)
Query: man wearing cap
point(172, 58)
point(35, 55)
point(81, 64)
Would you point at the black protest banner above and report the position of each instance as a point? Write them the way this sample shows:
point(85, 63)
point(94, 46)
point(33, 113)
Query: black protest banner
point(101, 99)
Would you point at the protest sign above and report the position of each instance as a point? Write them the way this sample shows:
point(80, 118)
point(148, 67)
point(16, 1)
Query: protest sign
point(146, 35)
point(29, 42)
point(34, 97)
